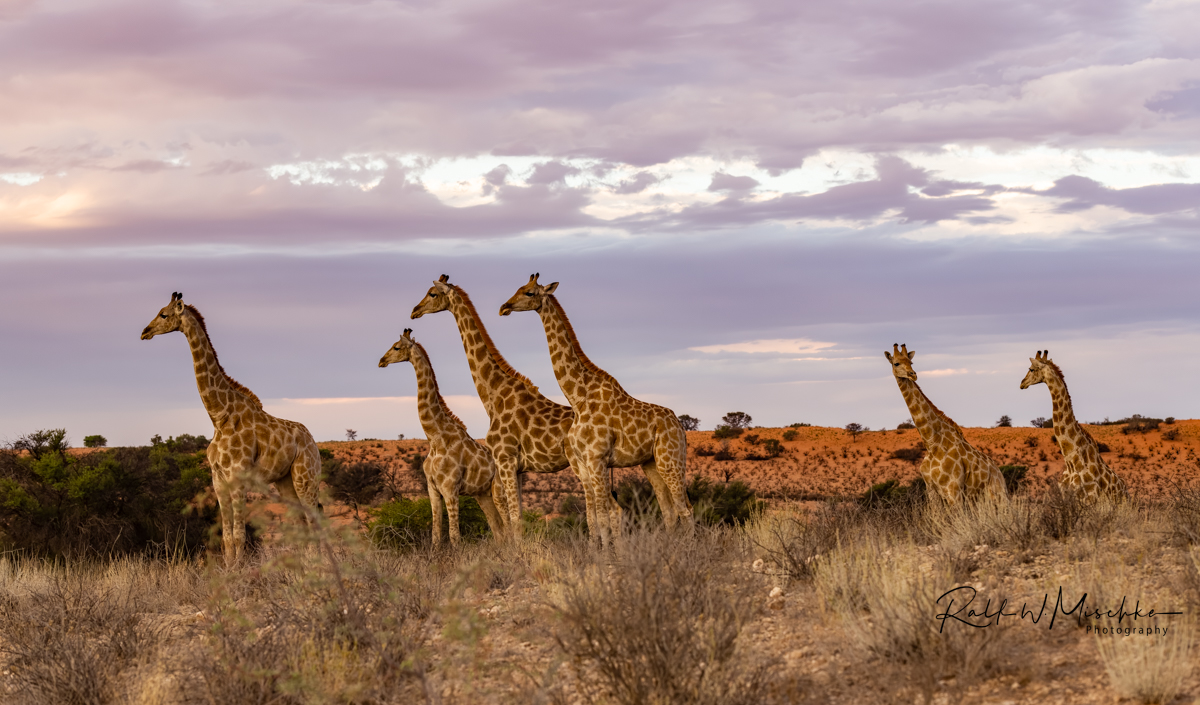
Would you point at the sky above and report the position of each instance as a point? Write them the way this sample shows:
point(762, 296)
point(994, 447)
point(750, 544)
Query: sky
point(745, 203)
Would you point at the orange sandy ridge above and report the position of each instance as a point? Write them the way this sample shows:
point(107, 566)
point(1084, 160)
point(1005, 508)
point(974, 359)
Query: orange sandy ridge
point(829, 463)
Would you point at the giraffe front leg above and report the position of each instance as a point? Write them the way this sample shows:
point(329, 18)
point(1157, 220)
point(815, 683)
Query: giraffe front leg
point(237, 504)
point(599, 502)
point(506, 476)
point(450, 495)
point(435, 506)
point(225, 508)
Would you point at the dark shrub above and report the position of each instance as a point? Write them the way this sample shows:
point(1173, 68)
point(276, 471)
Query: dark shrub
point(689, 423)
point(41, 442)
point(799, 425)
point(355, 484)
point(722, 432)
point(1103, 448)
point(1031, 441)
point(636, 496)
point(705, 451)
point(1171, 435)
point(912, 455)
point(406, 523)
point(790, 434)
point(854, 429)
point(572, 505)
point(893, 493)
point(116, 501)
point(1042, 422)
point(905, 425)
point(773, 447)
point(752, 439)
point(1140, 424)
point(1004, 422)
point(729, 503)
point(1169, 420)
point(96, 441)
point(1014, 475)
point(737, 419)
point(724, 454)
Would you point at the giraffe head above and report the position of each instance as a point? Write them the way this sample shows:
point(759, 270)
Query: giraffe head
point(436, 299)
point(901, 360)
point(401, 351)
point(1039, 367)
point(169, 318)
point(528, 297)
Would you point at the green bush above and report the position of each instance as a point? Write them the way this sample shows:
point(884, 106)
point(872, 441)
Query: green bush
point(1014, 476)
point(96, 441)
point(790, 434)
point(636, 496)
point(723, 431)
point(731, 503)
point(111, 502)
point(408, 523)
point(892, 494)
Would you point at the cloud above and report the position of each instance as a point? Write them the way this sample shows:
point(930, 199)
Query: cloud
point(1082, 193)
point(642, 181)
point(778, 345)
point(728, 182)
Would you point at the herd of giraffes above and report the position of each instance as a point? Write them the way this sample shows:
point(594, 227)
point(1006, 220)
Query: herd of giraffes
point(604, 427)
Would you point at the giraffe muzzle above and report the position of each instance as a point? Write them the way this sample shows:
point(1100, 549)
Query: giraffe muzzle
point(383, 362)
point(146, 334)
point(505, 309)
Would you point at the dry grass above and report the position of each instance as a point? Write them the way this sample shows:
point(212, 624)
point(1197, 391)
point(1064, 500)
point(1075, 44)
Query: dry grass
point(833, 603)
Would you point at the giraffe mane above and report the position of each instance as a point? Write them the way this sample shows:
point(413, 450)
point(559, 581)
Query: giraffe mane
point(487, 341)
point(254, 400)
point(941, 414)
point(1063, 378)
point(575, 342)
point(436, 389)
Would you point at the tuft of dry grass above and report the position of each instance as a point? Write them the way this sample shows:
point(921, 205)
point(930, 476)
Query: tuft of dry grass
point(661, 619)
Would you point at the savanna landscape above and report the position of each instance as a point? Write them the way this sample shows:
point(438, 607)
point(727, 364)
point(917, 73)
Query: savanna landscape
point(813, 574)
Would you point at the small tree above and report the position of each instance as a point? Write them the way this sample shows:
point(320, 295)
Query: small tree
point(1041, 422)
point(854, 429)
point(689, 423)
point(355, 484)
point(96, 441)
point(38, 443)
point(1004, 422)
point(905, 425)
point(351, 434)
point(737, 419)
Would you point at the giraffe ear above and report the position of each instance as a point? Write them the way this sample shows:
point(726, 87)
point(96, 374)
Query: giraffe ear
point(441, 285)
point(911, 354)
point(888, 355)
point(551, 287)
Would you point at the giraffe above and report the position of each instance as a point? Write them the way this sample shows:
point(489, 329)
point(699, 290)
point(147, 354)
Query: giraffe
point(249, 445)
point(1085, 472)
point(611, 429)
point(527, 432)
point(952, 467)
point(457, 464)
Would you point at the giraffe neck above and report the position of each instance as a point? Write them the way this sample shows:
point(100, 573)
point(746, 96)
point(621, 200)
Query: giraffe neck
point(574, 372)
point(216, 389)
point(489, 369)
point(931, 423)
point(436, 417)
point(1065, 424)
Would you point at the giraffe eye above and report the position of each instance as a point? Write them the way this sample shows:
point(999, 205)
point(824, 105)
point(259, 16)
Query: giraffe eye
point(529, 293)
point(395, 347)
point(162, 315)
point(432, 295)
point(897, 364)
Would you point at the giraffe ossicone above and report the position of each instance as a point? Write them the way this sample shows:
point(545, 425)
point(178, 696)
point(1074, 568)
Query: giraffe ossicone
point(611, 428)
point(952, 468)
point(1084, 469)
point(249, 445)
point(526, 432)
point(456, 464)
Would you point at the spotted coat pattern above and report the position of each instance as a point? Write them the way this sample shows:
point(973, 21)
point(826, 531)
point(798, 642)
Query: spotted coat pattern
point(1084, 470)
point(527, 432)
point(457, 464)
point(953, 468)
point(249, 446)
point(611, 429)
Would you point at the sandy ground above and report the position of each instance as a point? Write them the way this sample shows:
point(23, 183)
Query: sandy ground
point(824, 463)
